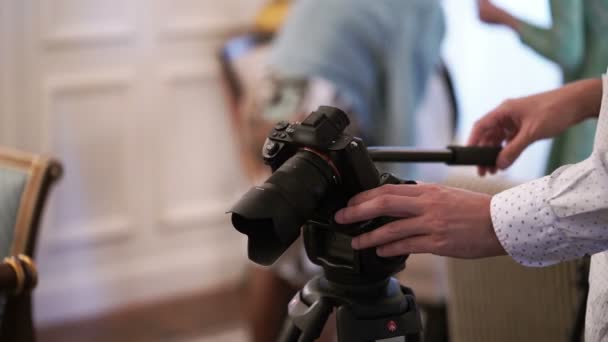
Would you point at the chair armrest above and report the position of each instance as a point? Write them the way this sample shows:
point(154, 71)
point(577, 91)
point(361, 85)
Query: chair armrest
point(18, 274)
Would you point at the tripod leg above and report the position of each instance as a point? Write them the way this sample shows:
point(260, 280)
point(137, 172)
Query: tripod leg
point(305, 322)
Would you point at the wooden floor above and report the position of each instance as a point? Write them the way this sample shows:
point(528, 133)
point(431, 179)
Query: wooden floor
point(210, 316)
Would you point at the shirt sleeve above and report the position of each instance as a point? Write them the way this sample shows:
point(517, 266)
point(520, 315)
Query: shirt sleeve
point(562, 216)
point(564, 41)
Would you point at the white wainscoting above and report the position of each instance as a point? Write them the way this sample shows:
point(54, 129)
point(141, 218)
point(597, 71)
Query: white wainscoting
point(127, 94)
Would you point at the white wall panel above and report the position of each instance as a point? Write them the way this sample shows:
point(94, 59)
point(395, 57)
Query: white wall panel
point(86, 21)
point(187, 262)
point(85, 120)
point(127, 94)
point(201, 172)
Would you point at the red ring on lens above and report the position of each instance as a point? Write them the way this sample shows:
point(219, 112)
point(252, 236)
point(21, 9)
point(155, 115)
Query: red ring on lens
point(327, 160)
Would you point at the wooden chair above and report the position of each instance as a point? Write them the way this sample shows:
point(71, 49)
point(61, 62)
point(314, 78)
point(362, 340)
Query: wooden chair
point(25, 181)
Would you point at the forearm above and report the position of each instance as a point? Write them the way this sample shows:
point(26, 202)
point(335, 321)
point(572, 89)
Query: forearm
point(564, 41)
point(510, 21)
point(578, 100)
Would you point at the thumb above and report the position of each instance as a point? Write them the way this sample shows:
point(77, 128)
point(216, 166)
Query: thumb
point(512, 150)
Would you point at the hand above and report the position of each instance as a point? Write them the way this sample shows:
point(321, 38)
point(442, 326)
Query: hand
point(433, 219)
point(492, 14)
point(522, 121)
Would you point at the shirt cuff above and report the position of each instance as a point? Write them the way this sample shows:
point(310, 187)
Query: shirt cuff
point(523, 222)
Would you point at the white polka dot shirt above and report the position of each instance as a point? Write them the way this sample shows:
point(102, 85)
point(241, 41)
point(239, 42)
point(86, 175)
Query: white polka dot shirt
point(564, 216)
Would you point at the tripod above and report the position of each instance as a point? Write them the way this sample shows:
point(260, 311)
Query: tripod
point(371, 305)
point(381, 312)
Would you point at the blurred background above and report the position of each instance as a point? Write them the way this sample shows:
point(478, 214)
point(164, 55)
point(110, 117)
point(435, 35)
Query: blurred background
point(133, 98)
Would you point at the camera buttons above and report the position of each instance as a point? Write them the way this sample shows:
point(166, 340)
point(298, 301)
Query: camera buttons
point(271, 147)
point(281, 125)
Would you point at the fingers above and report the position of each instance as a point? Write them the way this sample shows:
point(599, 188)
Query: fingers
point(382, 205)
point(512, 150)
point(480, 129)
point(497, 126)
point(513, 121)
point(390, 232)
point(388, 189)
point(415, 244)
point(488, 142)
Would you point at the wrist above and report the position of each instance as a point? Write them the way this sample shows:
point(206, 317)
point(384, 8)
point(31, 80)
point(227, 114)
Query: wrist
point(510, 21)
point(596, 92)
point(574, 102)
point(493, 245)
point(588, 98)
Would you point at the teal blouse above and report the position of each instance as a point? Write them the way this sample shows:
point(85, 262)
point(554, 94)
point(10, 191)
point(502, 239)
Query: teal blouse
point(576, 42)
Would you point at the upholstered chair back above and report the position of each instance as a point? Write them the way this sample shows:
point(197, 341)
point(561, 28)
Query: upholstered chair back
point(25, 180)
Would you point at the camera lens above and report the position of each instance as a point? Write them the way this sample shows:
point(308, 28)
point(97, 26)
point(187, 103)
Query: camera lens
point(271, 215)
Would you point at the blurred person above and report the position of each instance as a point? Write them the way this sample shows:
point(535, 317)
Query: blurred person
point(576, 43)
point(556, 218)
point(271, 16)
point(371, 59)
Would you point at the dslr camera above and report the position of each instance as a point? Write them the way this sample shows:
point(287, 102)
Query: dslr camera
point(317, 168)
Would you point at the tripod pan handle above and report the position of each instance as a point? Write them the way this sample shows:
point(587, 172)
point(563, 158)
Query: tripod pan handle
point(474, 155)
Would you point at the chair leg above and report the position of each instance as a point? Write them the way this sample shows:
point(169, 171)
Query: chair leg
point(17, 324)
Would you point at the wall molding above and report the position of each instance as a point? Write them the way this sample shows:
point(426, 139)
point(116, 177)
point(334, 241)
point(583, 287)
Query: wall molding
point(83, 35)
point(78, 28)
point(73, 82)
point(194, 214)
point(209, 26)
point(103, 231)
point(100, 232)
point(66, 83)
point(89, 282)
point(190, 72)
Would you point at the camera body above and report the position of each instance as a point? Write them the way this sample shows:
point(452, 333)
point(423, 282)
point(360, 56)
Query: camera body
point(322, 133)
point(296, 153)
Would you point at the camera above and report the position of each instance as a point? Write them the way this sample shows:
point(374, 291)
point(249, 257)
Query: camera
point(317, 168)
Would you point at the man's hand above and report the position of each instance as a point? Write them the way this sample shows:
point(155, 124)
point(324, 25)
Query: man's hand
point(432, 219)
point(520, 122)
